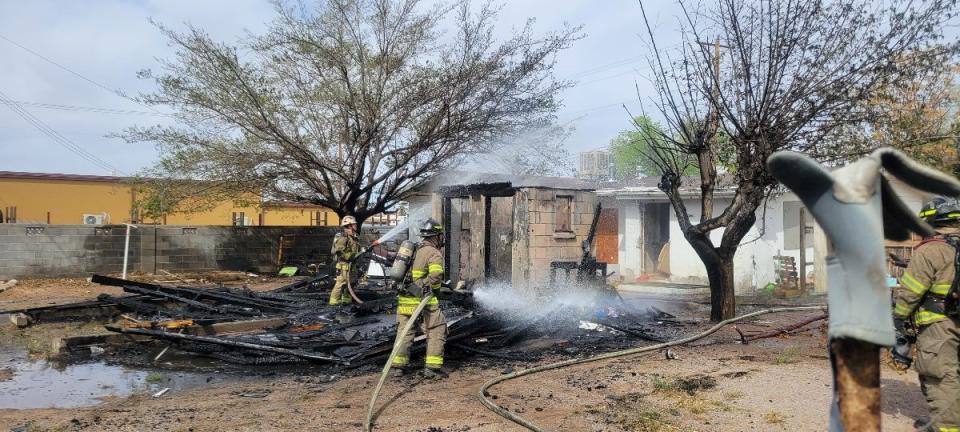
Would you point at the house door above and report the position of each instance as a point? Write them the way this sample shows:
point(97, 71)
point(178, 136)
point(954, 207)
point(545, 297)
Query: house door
point(607, 239)
point(656, 235)
point(500, 239)
point(458, 248)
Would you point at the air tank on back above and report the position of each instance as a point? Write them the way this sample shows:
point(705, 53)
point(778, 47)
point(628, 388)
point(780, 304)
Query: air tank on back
point(402, 262)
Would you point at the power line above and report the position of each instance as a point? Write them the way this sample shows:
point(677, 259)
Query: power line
point(56, 136)
point(77, 74)
point(44, 105)
point(604, 67)
point(591, 109)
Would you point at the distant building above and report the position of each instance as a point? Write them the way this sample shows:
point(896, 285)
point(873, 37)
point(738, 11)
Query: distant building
point(595, 165)
point(67, 199)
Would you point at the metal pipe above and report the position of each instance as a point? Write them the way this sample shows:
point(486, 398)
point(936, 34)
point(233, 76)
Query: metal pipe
point(226, 342)
point(126, 250)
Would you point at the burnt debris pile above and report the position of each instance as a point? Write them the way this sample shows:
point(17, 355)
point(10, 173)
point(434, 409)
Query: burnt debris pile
point(295, 324)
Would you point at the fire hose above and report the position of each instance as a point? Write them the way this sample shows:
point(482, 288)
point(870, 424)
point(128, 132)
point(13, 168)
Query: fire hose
point(350, 272)
point(532, 426)
point(350, 286)
point(368, 423)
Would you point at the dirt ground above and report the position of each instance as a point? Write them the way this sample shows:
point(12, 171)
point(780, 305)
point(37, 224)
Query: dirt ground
point(717, 384)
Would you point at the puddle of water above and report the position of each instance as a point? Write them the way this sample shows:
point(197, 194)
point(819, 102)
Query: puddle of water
point(41, 384)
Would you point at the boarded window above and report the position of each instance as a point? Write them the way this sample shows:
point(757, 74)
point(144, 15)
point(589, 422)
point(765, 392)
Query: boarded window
point(465, 214)
point(563, 209)
point(239, 219)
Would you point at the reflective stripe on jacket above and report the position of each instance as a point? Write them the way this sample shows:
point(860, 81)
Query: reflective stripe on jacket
point(925, 283)
point(426, 270)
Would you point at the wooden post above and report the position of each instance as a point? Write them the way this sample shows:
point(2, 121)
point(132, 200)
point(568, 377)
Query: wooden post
point(819, 259)
point(802, 268)
point(857, 377)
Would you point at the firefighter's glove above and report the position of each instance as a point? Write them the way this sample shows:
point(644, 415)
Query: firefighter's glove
point(901, 352)
point(903, 329)
point(414, 289)
point(362, 252)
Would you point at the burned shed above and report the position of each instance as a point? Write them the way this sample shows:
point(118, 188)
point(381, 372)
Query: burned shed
point(510, 229)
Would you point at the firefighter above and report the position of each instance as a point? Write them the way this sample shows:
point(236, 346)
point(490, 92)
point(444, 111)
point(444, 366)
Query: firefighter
point(346, 247)
point(424, 277)
point(922, 306)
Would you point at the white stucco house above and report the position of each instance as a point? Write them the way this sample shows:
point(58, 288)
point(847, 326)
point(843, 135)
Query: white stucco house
point(647, 222)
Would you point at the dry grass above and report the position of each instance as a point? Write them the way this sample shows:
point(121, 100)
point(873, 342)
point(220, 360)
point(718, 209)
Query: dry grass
point(686, 396)
point(788, 356)
point(775, 418)
point(632, 412)
point(734, 395)
point(689, 385)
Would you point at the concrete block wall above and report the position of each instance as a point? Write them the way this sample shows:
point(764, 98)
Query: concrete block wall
point(537, 243)
point(29, 251)
point(63, 250)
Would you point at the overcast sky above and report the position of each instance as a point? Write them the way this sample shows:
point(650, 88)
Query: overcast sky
point(107, 42)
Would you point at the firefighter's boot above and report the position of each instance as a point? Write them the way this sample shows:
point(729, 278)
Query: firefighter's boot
point(434, 373)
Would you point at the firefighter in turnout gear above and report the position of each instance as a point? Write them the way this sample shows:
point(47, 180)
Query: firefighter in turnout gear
point(346, 247)
point(925, 302)
point(424, 277)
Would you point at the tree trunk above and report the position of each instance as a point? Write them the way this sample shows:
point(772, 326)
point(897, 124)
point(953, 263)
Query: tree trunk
point(722, 294)
point(719, 268)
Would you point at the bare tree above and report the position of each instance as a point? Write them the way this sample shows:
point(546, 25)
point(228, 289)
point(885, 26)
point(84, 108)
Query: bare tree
point(773, 75)
point(348, 104)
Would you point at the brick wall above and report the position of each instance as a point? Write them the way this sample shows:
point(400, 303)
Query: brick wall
point(78, 250)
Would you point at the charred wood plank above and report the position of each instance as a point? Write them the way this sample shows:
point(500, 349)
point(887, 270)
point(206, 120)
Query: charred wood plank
point(228, 297)
point(634, 333)
point(299, 284)
point(111, 281)
point(228, 343)
point(330, 328)
point(482, 352)
point(192, 303)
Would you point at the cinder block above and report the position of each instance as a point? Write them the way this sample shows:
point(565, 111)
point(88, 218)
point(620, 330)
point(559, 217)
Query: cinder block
point(570, 252)
point(20, 320)
point(581, 230)
point(538, 229)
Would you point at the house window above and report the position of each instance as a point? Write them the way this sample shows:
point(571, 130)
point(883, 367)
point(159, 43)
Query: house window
point(239, 218)
point(318, 218)
point(563, 209)
point(11, 215)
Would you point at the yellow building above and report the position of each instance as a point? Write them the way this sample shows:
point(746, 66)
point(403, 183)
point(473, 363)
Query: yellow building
point(77, 199)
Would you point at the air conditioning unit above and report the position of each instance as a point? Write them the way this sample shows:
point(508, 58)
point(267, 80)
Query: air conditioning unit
point(94, 219)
